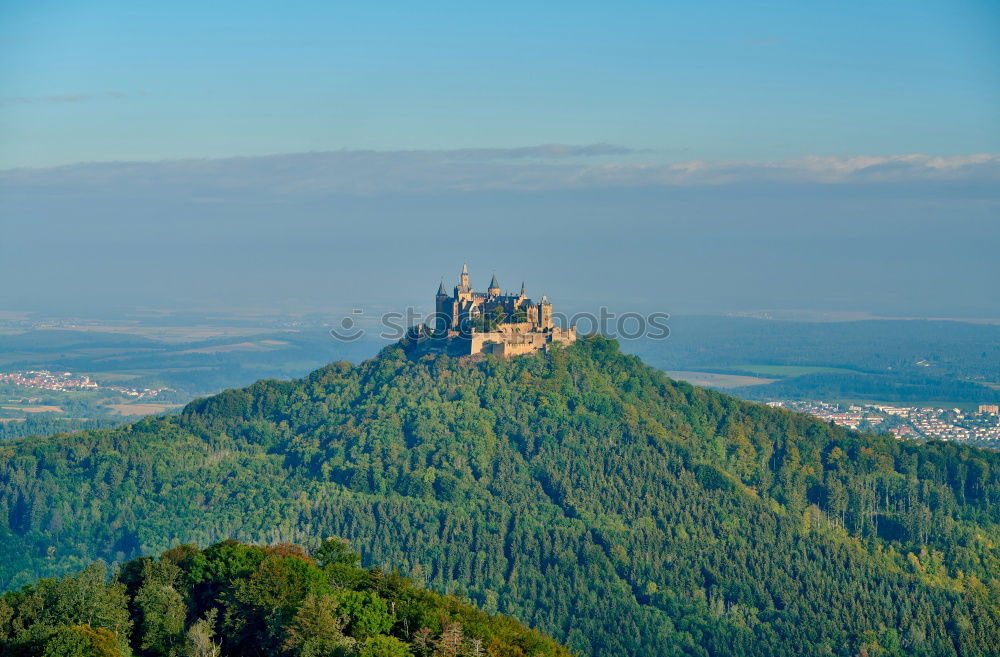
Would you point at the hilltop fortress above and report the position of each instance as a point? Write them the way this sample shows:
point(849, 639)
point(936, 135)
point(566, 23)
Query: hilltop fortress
point(491, 322)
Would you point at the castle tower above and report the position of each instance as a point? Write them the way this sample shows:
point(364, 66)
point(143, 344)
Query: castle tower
point(545, 314)
point(463, 283)
point(524, 292)
point(533, 311)
point(494, 289)
point(442, 309)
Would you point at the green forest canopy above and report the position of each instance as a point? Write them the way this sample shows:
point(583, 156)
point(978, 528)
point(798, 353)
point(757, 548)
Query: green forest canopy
point(234, 599)
point(580, 491)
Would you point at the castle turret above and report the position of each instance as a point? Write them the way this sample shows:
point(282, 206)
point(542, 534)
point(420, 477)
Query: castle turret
point(444, 310)
point(494, 289)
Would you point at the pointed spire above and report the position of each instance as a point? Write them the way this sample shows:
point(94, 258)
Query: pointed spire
point(463, 280)
point(523, 292)
point(493, 282)
point(441, 291)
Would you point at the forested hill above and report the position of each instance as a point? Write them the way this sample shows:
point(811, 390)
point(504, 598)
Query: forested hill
point(232, 600)
point(580, 491)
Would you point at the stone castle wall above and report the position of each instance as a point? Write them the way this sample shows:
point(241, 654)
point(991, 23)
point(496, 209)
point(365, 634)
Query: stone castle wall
point(507, 343)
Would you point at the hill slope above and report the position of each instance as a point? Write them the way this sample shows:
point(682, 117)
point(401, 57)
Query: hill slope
point(583, 492)
point(234, 599)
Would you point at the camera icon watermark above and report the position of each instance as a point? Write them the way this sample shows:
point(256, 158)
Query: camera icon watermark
point(349, 328)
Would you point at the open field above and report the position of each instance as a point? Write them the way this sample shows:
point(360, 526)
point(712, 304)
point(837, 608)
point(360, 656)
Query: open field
point(142, 409)
point(260, 345)
point(34, 409)
point(114, 377)
point(715, 380)
point(169, 334)
point(791, 370)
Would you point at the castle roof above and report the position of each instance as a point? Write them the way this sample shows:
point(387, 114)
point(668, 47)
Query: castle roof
point(441, 291)
point(493, 283)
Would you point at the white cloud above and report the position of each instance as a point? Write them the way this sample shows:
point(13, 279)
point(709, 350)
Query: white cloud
point(545, 167)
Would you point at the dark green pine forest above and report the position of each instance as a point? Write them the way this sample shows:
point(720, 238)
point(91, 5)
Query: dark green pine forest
point(580, 491)
point(234, 600)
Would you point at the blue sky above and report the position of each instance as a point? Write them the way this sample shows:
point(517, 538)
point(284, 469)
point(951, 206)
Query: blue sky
point(678, 157)
point(104, 81)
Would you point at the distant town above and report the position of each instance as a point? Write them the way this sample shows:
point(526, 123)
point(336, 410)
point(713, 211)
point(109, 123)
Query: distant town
point(67, 381)
point(981, 426)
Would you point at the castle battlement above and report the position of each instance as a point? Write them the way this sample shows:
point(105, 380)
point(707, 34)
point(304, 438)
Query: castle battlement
point(492, 322)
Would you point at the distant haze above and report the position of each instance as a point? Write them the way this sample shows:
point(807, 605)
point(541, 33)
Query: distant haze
point(589, 226)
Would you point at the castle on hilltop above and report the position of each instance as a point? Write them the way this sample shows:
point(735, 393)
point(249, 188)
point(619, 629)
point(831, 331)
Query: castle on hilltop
point(493, 322)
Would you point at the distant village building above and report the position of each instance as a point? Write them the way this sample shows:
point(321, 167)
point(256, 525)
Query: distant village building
point(492, 322)
point(993, 409)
